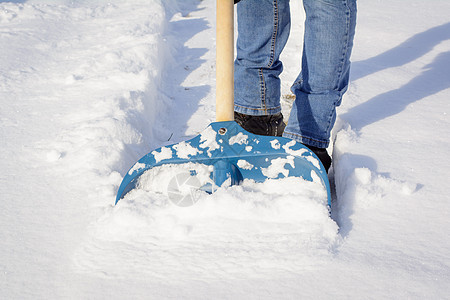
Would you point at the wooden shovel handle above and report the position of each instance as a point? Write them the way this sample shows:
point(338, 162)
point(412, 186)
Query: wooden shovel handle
point(225, 60)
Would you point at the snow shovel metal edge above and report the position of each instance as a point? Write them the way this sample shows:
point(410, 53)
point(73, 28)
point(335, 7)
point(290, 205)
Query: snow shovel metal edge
point(233, 153)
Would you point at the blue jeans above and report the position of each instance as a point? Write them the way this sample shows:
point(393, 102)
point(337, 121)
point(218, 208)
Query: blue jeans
point(263, 30)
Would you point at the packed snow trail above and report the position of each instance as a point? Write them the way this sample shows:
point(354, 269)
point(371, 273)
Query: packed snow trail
point(78, 84)
point(88, 87)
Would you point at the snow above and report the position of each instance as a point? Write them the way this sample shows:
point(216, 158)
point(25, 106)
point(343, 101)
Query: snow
point(239, 138)
point(277, 166)
point(159, 179)
point(298, 152)
point(136, 167)
point(89, 87)
point(243, 164)
point(185, 150)
point(164, 153)
point(208, 141)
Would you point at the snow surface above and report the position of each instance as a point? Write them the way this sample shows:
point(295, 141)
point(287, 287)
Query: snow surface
point(88, 87)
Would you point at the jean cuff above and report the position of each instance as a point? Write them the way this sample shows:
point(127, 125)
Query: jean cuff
point(306, 140)
point(256, 111)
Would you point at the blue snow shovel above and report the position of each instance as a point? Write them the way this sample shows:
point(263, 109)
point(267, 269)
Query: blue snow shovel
point(230, 153)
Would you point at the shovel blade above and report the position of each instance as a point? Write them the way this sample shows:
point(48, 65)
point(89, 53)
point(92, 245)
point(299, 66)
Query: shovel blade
point(234, 154)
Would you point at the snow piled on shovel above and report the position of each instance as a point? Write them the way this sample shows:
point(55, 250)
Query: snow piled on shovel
point(247, 230)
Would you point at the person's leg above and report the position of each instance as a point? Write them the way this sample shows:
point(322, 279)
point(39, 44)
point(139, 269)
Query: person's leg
point(263, 30)
point(328, 41)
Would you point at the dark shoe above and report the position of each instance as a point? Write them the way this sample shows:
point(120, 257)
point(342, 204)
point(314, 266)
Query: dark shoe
point(262, 125)
point(322, 154)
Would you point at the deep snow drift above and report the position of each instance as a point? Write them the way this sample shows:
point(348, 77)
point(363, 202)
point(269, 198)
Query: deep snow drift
point(88, 87)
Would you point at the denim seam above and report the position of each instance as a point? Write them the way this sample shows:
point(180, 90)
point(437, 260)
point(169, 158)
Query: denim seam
point(265, 109)
point(304, 138)
point(345, 49)
point(274, 33)
point(272, 56)
point(262, 86)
